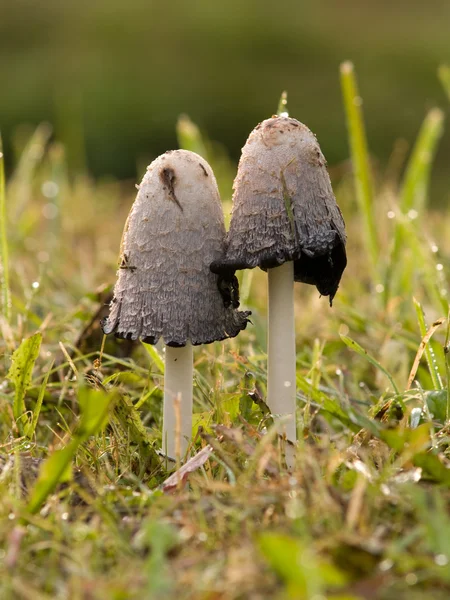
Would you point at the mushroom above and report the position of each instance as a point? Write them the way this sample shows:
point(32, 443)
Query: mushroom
point(165, 288)
point(285, 220)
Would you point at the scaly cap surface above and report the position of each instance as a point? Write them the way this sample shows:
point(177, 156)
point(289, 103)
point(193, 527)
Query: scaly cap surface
point(284, 208)
point(165, 287)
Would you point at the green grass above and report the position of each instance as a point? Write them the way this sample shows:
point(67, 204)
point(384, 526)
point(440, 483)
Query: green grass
point(4, 263)
point(360, 159)
point(84, 512)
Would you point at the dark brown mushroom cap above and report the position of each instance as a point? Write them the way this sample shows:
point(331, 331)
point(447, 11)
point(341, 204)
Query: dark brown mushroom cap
point(284, 208)
point(174, 231)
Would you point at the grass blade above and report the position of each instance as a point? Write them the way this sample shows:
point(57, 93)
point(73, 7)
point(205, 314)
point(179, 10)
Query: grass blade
point(190, 137)
point(155, 356)
point(360, 350)
point(414, 189)
point(56, 469)
point(130, 421)
point(30, 427)
point(444, 76)
point(4, 264)
point(22, 363)
point(282, 110)
point(22, 179)
point(360, 158)
point(425, 344)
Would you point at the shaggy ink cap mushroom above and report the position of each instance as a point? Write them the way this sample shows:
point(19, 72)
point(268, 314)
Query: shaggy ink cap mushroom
point(165, 287)
point(284, 208)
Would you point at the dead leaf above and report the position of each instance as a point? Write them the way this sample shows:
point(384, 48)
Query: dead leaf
point(179, 478)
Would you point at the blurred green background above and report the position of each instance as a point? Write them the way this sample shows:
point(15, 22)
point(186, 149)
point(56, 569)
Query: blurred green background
point(113, 76)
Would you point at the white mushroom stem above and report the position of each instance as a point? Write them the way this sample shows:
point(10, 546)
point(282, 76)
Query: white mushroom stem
point(177, 411)
point(281, 371)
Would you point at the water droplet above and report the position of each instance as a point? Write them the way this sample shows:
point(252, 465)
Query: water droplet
point(50, 189)
point(434, 248)
point(439, 267)
point(357, 101)
point(11, 516)
point(441, 560)
point(413, 214)
point(391, 214)
point(65, 516)
point(379, 288)
point(287, 384)
point(386, 564)
point(338, 372)
point(35, 285)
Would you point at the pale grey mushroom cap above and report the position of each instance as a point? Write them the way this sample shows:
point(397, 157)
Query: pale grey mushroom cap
point(284, 208)
point(165, 287)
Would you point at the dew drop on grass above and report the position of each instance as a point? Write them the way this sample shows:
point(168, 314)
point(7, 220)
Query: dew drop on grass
point(415, 417)
point(65, 516)
point(413, 214)
point(35, 285)
point(379, 288)
point(439, 267)
point(391, 214)
point(287, 384)
point(386, 564)
point(50, 189)
point(385, 489)
point(434, 248)
point(441, 560)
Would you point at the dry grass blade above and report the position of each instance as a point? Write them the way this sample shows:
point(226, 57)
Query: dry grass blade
point(422, 347)
point(179, 478)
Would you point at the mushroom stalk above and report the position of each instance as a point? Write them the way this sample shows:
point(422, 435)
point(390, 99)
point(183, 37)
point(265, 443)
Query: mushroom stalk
point(281, 371)
point(177, 411)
